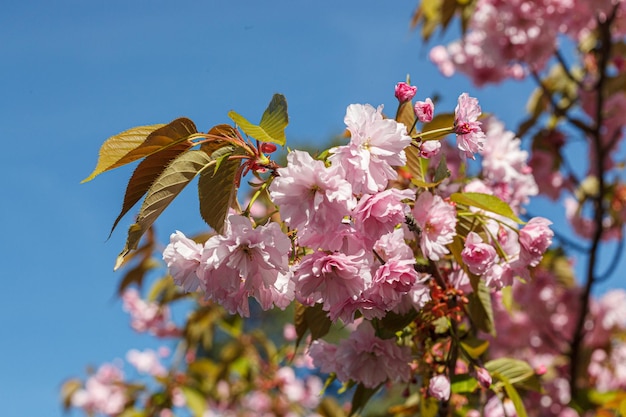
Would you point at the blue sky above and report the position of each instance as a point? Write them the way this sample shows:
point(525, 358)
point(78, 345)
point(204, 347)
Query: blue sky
point(73, 73)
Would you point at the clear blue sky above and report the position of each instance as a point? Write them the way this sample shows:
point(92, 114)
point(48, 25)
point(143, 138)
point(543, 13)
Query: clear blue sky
point(73, 73)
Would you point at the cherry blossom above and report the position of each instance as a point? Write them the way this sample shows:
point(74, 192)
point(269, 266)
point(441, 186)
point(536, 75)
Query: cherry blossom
point(437, 221)
point(376, 146)
point(469, 135)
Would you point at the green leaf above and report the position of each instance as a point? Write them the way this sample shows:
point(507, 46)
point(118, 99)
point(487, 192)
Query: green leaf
point(475, 347)
point(162, 192)
point(272, 125)
point(463, 384)
point(275, 119)
point(312, 319)
point(144, 176)
point(486, 202)
point(480, 309)
point(114, 148)
point(172, 134)
point(195, 401)
point(360, 398)
point(440, 121)
point(217, 189)
point(513, 395)
point(513, 370)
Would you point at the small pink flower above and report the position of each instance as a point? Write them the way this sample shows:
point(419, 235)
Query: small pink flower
point(483, 377)
point(535, 238)
point(331, 279)
point(364, 358)
point(405, 92)
point(437, 222)
point(380, 213)
point(376, 146)
point(246, 261)
point(477, 255)
point(430, 148)
point(424, 110)
point(146, 362)
point(469, 135)
point(182, 257)
point(439, 387)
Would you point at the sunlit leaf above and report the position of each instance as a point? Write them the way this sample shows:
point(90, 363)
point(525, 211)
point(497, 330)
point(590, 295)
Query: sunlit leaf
point(171, 134)
point(272, 125)
point(463, 384)
point(217, 189)
point(115, 147)
point(68, 389)
point(144, 176)
point(406, 115)
point(514, 396)
point(328, 407)
point(440, 121)
point(486, 202)
point(275, 119)
point(514, 370)
point(162, 192)
point(195, 401)
point(475, 347)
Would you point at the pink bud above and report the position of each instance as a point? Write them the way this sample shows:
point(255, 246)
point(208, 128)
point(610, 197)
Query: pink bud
point(405, 92)
point(424, 110)
point(541, 369)
point(267, 147)
point(483, 377)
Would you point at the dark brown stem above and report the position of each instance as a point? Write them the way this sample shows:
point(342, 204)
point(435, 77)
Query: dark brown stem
point(599, 208)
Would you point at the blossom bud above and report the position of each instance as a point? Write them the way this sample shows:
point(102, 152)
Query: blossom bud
point(424, 110)
point(405, 92)
point(267, 147)
point(483, 377)
point(439, 387)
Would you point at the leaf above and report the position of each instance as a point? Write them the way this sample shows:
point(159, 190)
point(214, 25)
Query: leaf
point(513, 370)
point(144, 176)
point(312, 319)
point(115, 147)
point(171, 134)
point(475, 347)
point(463, 384)
point(217, 189)
point(480, 309)
point(360, 398)
point(440, 121)
point(406, 115)
point(513, 395)
point(486, 202)
point(273, 122)
point(275, 119)
point(68, 389)
point(195, 401)
point(162, 192)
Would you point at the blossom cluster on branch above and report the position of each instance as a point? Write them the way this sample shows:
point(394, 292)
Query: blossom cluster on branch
point(414, 272)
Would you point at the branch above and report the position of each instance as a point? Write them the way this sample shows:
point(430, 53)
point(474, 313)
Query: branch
point(599, 208)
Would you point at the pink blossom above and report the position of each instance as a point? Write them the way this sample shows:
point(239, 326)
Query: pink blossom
point(376, 146)
point(246, 261)
point(364, 358)
point(312, 198)
point(146, 362)
point(430, 148)
point(439, 387)
point(182, 257)
point(477, 255)
point(469, 135)
point(424, 110)
point(148, 316)
point(331, 278)
point(104, 392)
point(483, 377)
point(405, 92)
point(396, 277)
point(535, 238)
point(375, 215)
point(437, 222)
